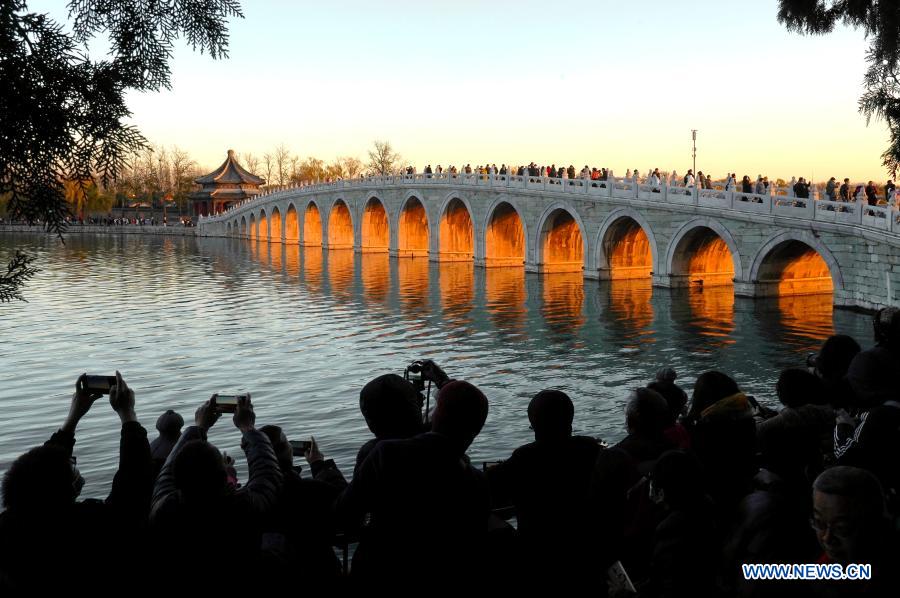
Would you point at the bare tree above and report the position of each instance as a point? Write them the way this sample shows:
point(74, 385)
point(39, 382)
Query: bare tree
point(351, 166)
point(282, 159)
point(382, 158)
point(250, 162)
point(311, 170)
point(268, 163)
point(183, 169)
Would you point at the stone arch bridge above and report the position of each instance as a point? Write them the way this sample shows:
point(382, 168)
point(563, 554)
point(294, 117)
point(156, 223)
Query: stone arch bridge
point(764, 245)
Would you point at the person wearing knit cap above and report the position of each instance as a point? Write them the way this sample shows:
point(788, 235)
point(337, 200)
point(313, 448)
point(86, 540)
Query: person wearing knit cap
point(427, 507)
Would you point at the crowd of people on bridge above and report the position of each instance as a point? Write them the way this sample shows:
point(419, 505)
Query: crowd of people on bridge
point(697, 487)
point(798, 188)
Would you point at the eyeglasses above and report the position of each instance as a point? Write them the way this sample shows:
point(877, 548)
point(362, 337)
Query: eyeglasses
point(841, 529)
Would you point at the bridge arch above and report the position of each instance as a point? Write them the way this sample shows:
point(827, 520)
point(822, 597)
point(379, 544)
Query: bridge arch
point(254, 229)
point(244, 227)
point(276, 232)
point(703, 250)
point(263, 233)
point(412, 228)
point(312, 225)
point(562, 241)
point(228, 232)
point(505, 234)
point(456, 233)
point(375, 233)
point(795, 262)
point(340, 225)
point(291, 225)
point(626, 246)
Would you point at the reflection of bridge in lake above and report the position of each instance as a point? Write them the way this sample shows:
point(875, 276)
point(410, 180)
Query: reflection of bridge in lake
point(762, 245)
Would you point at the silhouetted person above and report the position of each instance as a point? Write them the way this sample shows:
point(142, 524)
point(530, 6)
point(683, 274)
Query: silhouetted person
point(192, 493)
point(392, 410)
point(428, 508)
point(619, 488)
point(300, 529)
point(831, 365)
point(868, 436)
point(809, 422)
point(684, 543)
point(547, 481)
point(676, 399)
point(723, 434)
point(49, 541)
point(169, 426)
point(851, 526)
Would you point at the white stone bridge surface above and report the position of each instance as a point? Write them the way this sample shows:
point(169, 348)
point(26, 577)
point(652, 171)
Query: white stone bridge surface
point(764, 245)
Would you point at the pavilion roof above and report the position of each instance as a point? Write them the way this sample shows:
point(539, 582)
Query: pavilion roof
point(230, 172)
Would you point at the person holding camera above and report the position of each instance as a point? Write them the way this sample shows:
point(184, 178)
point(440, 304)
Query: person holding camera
point(192, 493)
point(427, 507)
point(392, 405)
point(47, 537)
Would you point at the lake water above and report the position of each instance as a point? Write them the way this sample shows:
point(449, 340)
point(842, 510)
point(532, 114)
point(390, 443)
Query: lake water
point(303, 330)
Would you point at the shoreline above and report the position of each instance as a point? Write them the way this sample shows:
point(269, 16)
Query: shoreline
point(129, 229)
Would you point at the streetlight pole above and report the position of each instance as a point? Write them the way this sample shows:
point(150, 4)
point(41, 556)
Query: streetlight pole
point(694, 155)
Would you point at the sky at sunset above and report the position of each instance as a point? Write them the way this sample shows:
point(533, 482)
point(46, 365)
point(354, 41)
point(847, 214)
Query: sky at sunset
point(611, 84)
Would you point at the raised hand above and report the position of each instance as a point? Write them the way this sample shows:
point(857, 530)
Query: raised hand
point(82, 400)
point(206, 415)
point(121, 398)
point(313, 453)
point(244, 417)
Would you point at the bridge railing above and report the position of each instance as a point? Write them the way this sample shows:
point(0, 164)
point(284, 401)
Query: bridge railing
point(859, 213)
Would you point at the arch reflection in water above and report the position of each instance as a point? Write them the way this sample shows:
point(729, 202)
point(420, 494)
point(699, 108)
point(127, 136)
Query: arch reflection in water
point(457, 282)
point(312, 268)
point(505, 297)
point(376, 232)
point(803, 321)
point(375, 271)
point(629, 312)
point(562, 244)
point(563, 306)
point(340, 227)
point(340, 273)
point(412, 285)
point(712, 313)
point(292, 262)
point(628, 251)
point(504, 241)
point(312, 226)
point(456, 236)
point(412, 236)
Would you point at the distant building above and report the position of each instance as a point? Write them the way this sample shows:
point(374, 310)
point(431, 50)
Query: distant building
point(227, 185)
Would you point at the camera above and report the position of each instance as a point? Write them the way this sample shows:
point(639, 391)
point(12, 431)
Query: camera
point(227, 403)
point(100, 384)
point(812, 362)
point(413, 374)
point(299, 447)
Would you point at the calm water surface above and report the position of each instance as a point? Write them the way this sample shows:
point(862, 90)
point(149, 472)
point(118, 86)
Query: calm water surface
point(303, 330)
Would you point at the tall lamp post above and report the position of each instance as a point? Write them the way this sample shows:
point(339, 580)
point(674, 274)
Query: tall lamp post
point(694, 155)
